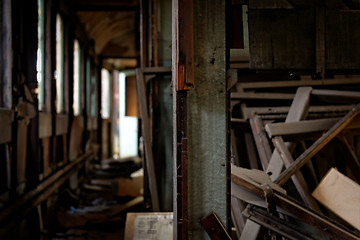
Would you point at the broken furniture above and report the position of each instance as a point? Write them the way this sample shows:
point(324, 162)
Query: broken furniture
point(294, 132)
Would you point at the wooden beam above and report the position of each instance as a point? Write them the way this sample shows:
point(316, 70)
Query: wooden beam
point(252, 184)
point(143, 107)
point(261, 96)
point(298, 111)
point(317, 146)
point(6, 120)
point(248, 111)
point(298, 179)
point(307, 126)
point(261, 141)
point(336, 93)
point(214, 228)
point(300, 83)
point(62, 124)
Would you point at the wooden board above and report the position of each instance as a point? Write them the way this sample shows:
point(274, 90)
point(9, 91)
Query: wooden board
point(149, 226)
point(6, 119)
point(341, 195)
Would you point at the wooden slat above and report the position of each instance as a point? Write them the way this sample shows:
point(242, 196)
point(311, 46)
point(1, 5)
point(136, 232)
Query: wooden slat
point(340, 195)
point(45, 126)
point(62, 123)
point(261, 141)
point(300, 83)
point(248, 111)
point(6, 119)
point(298, 111)
point(326, 225)
point(336, 93)
point(307, 126)
point(317, 146)
point(212, 225)
point(91, 123)
point(262, 96)
point(143, 107)
point(298, 179)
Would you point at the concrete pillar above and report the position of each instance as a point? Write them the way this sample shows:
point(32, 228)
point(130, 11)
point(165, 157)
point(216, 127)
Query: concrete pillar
point(206, 114)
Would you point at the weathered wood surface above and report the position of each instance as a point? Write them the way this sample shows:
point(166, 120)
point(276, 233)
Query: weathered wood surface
point(301, 127)
point(45, 125)
point(298, 111)
point(317, 146)
point(252, 181)
point(353, 80)
point(143, 107)
point(212, 225)
point(298, 179)
point(341, 196)
point(6, 120)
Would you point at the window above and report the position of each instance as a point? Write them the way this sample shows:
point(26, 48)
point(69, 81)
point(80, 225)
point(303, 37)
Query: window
point(105, 93)
point(128, 126)
point(77, 77)
point(59, 71)
point(40, 56)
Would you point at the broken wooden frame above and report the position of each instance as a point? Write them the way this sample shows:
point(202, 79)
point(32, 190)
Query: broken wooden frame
point(254, 182)
point(141, 79)
point(317, 146)
point(257, 116)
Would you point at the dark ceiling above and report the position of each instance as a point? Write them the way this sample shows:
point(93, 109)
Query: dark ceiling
point(112, 24)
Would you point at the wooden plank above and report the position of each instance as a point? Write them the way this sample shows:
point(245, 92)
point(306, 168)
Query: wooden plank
point(251, 152)
point(298, 111)
point(298, 179)
point(22, 142)
point(143, 107)
point(45, 125)
point(212, 225)
point(336, 93)
point(261, 141)
point(231, 78)
point(237, 206)
point(62, 123)
point(91, 123)
point(340, 195)
point(46, 157)
point(300, 83)
point(156, 70)
point(248, 111)
point(262, 96)
point(317, 146)
point(333, 229)
point(307, 126)
point(6, 119)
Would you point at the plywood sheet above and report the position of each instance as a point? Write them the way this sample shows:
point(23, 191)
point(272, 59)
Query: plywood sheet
point(341, 195)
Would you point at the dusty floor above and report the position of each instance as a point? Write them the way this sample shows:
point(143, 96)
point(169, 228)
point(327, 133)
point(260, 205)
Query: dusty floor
point(92, 211)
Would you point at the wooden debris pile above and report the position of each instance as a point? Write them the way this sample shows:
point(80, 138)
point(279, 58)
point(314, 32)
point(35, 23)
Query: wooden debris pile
point(295, 152)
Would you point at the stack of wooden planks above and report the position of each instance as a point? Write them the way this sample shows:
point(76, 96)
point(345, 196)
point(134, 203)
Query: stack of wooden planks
point(295, 158)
